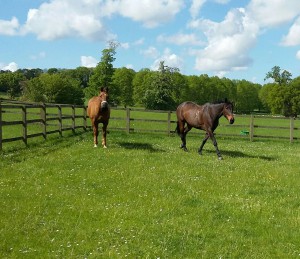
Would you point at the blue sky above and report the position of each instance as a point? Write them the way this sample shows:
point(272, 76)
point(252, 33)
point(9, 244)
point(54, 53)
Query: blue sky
point(238, 39)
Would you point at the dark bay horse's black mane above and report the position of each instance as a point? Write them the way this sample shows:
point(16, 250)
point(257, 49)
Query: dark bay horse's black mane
point(221, 101)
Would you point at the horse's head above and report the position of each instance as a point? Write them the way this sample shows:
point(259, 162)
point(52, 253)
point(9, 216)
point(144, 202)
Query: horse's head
point(228, 111)
point(104, 98)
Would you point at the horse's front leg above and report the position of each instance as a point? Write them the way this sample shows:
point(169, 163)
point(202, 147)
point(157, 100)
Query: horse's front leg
point(104, 132)
point(216, 145)
point(96, 133)
point(203, 143)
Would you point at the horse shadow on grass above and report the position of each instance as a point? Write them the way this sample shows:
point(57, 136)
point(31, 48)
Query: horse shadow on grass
point(140, 146)
point(236, 154)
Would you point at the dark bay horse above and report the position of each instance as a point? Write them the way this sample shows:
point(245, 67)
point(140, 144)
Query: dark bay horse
point(204, 117)
point(99, 112)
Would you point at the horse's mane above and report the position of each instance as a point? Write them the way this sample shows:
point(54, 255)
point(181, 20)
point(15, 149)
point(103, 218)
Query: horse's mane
point(222, 101)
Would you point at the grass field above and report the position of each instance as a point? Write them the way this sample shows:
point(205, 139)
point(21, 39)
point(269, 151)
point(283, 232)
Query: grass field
point(143, 197)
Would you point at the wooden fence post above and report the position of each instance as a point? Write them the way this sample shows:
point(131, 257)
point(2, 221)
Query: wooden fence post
point(291, 129)
point(24, 119)
point(84, 118)
point(251, 127)
point(44, 121)
point(59, 120)
point(169, 123)
point(0, 126)
point(73, 118)
point(128, 120)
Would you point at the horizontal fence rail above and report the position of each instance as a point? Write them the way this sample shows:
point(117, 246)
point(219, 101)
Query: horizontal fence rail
point(41, 119)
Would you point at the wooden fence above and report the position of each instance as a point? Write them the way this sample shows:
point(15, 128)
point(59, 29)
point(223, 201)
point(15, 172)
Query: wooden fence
point(56, 118)
point(43, 115)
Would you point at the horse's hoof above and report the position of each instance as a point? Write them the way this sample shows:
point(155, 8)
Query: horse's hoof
point(95, 145)
point(104, 146)
point(220, 158)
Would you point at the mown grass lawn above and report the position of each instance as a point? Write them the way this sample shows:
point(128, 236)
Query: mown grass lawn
point(143, 197)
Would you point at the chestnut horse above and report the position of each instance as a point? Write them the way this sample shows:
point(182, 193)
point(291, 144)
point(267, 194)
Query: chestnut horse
point(99, 112)
point(204, 117)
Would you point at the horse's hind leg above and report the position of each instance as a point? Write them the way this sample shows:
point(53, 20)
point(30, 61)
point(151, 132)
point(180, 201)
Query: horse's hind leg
point(182, 134)
point(203, 143)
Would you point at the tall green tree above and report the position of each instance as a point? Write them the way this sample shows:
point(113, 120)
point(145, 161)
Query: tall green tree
point(281, 77)
point(281, 93)
point(122, 86)
point(160, 93)
point(247, 96)
point(102, 75)
point(140, 83)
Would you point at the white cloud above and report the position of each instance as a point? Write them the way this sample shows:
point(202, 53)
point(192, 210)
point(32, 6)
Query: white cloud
point(195, 7)
point(293, 36)
point(40, 55)
point(151, 52)
point(150, 13)
point(129, 66)
point(170, 59)
point(12, 66)
point(125, 45)
point(222, 1)
point(273, 12)
point(298, 54)
point(88, 61)
point(181, 39)
point(66, 18)
point(9, 27)
point(139, 42)
point(229, 42)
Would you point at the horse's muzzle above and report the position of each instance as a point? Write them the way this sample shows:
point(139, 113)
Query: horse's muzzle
point(104, 105)
point(231, 120)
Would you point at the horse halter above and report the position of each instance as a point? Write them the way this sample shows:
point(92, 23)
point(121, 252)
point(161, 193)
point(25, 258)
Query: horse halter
point(228, 112)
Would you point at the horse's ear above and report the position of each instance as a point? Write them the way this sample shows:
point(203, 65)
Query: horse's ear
point(104, 89)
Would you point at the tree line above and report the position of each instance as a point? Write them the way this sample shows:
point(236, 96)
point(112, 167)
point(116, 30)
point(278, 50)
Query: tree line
point(163, 89)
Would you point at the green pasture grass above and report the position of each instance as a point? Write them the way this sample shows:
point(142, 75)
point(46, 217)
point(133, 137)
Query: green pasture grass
point(144, 197)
